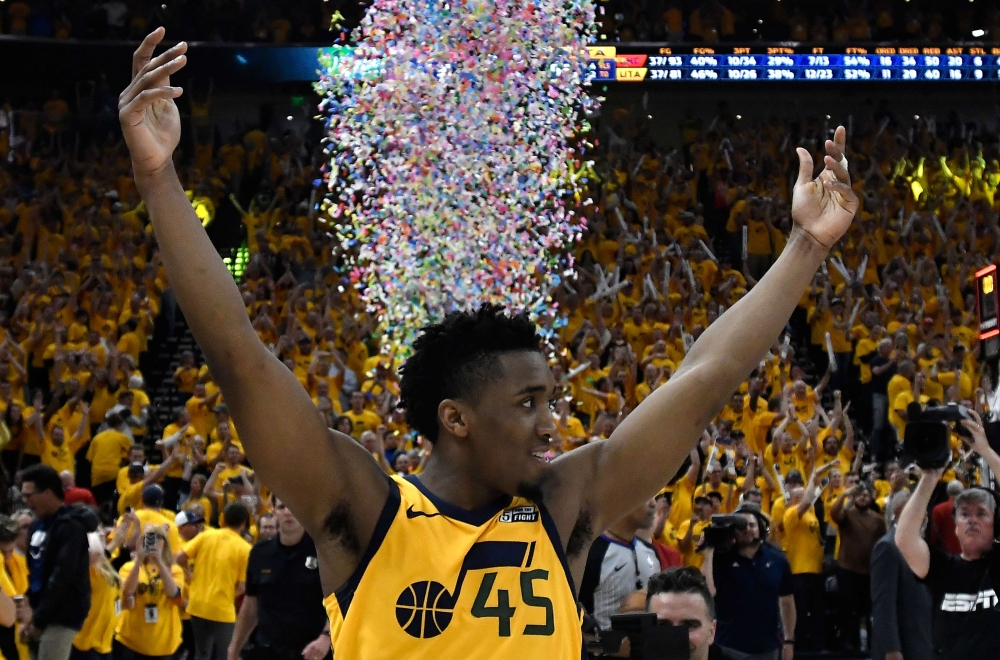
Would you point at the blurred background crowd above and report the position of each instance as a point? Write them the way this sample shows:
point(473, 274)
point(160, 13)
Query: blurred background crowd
point(101, 381)
point(303, 21)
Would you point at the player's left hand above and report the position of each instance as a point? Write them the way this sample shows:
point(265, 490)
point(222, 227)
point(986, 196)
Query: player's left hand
point(825, 206)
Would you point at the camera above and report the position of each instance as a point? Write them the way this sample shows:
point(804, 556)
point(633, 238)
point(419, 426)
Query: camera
point(149, 542)
point(928, 431)
point(721, 534)
point(649, 639)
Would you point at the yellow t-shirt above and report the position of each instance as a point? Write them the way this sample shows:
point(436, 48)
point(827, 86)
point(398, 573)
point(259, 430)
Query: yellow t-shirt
point(682, 501)
point(202, 420)
point(99, 628)
point(220, 559)
point(106, 452)
point(176, 469)
point(692, 557)
point(58, 457)
point(573, 433)
point(366, 420)
point(802, 542)
point(152, 626)
point(130, 496)
point(777, 533)
point(17, 569)
point(187, 377)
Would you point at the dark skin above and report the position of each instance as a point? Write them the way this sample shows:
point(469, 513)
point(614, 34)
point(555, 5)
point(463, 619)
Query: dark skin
point(484, 447)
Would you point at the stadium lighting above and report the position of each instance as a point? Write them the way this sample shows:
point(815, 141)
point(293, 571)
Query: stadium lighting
point(978, 33)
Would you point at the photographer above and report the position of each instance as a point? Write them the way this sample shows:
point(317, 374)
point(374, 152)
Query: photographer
point(752, 585)
point(679, 596)
point(966, 617)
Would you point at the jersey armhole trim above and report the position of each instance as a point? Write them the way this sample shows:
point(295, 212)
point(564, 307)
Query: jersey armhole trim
point(392, 501)
point(553, 533)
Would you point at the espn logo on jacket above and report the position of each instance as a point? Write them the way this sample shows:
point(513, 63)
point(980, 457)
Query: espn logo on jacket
point(984, 600)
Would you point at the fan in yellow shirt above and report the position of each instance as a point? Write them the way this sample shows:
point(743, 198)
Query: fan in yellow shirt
point(802, 533)
point(361, 419)
point(58, 451)
point(682, 497)
point(105, 600)
point(150, 622)
point(569, 427)
point(220, 559)
point(186, 374)
point(689, 532)
point(106, 452)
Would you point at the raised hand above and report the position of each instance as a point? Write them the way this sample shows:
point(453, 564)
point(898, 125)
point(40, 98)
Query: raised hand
point(825, 206)
point(146, 109)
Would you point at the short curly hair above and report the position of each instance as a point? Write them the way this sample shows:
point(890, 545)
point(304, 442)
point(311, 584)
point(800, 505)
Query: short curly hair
point(455, 358)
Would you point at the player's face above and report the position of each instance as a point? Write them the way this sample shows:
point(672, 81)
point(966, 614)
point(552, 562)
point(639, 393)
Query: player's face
point(510, 425)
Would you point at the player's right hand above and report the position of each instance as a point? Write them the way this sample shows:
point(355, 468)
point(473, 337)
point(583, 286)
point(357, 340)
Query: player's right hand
point(149, 118)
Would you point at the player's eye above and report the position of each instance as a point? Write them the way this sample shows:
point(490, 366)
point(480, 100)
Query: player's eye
point(552, 405)
point(528, 403)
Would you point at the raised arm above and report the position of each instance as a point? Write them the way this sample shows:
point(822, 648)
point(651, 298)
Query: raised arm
point(660, 432)
point(908, 539)
point(313, 470)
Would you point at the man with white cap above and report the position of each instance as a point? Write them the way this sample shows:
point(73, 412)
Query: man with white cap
point(189, 524)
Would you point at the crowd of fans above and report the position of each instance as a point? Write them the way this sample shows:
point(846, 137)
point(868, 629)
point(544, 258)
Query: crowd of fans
point(674, 237)
point(784, 20)
point(316, 21)
point(269, 21)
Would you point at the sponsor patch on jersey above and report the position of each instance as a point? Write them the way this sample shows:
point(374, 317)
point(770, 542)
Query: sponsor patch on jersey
point(520, 514)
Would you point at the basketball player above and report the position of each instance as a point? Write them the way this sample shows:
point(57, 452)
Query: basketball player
point(478, 556)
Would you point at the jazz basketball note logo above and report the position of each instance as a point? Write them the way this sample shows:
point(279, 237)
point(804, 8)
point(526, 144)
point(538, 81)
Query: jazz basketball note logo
point(425, 608)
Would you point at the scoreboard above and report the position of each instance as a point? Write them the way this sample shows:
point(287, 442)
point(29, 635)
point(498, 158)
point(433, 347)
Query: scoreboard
point(988, 307)
point(870, 63)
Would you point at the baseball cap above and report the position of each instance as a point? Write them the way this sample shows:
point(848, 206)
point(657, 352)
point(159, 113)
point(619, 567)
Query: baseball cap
point(794, 476)
point(221, 408)
point(187, 518)
point(152, 495)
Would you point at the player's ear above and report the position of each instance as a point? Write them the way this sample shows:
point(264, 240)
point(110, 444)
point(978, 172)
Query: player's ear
point(453, 418)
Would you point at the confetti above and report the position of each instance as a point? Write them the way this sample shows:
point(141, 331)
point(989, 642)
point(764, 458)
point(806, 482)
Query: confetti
point(453, 163)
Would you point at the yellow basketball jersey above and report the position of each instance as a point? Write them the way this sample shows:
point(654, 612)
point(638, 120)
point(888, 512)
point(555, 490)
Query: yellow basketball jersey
point(438, 581)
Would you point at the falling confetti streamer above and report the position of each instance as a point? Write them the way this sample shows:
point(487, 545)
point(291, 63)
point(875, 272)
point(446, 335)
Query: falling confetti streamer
point(453, 158)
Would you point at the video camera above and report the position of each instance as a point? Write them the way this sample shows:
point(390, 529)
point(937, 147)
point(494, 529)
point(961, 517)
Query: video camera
point(928, 430)
point(649, 638)
point(721, 534)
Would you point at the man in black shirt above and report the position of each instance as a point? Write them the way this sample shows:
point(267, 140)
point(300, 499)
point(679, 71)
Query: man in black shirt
point(282, 614)
point(754, 595)
point(966, 615)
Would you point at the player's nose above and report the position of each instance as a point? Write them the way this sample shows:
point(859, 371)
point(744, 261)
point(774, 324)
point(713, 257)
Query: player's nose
point(545, 425)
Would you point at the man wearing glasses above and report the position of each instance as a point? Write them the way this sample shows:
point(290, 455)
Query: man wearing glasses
point(58, 566)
